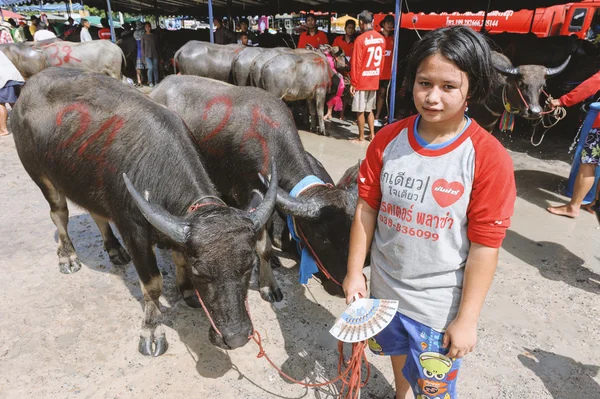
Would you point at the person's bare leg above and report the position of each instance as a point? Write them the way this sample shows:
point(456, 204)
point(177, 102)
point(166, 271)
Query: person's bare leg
point(403, 389)
point(583, 184)
point(380, 101)
point(371, 121)
point(329, 111)
point(3, 120)
point(360, 120)
point(138, 72)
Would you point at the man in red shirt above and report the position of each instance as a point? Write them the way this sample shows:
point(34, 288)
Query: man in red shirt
point(104, 33)
point(313, 35)
point(387, 31)
point(346, 42)
point(590, 157)
point(365, 68)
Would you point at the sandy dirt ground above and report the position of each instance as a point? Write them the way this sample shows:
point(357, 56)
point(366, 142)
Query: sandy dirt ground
point(75, 336)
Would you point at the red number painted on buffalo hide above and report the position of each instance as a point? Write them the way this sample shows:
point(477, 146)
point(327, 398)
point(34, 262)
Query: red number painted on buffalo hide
point(96, 155)
point(59, 56)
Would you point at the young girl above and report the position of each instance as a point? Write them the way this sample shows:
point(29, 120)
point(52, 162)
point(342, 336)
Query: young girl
point(436, 193)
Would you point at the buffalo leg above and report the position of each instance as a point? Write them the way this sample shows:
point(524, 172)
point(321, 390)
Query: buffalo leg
point(117, 254)
point(313, 115)
point(59, 213)
point(152, 338)
point(320, 102)
point(184, 283)
point(268, 288)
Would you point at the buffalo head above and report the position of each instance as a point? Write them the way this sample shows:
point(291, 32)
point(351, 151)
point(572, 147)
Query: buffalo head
point(325, 214)
point(216, 246)
point(523, 85)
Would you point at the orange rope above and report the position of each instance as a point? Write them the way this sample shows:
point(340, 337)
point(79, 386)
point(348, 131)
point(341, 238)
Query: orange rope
point(350, 376)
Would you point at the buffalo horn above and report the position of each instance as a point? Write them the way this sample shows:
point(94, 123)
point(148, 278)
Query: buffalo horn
point(158, 217)
point(555, 71)
point(302, 208)
point(514, 71)
point(261, 215)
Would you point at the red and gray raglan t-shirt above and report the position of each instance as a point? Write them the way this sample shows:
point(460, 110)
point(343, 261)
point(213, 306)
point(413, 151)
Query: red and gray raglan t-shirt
point(433, 203)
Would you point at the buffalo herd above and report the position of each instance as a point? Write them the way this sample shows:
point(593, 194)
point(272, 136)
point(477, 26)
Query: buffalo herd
point(204, 165)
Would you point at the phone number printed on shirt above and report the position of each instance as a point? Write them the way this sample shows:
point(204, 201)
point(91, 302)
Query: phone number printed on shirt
point(410, 231)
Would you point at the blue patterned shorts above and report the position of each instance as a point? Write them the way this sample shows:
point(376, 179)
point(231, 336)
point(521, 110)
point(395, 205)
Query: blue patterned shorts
point(431, 374)
point(591, 149)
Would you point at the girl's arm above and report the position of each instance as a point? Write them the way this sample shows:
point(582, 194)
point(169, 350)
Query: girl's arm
point(479, 273)
point(361, 235)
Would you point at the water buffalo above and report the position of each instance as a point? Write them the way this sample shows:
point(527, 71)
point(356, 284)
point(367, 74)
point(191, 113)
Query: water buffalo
point(304, 75)
point(77, 144)
point(237, 128)
point(207, 59)
point(101, 56)
point(242, 63)
point(26, 59)
point(519, 88)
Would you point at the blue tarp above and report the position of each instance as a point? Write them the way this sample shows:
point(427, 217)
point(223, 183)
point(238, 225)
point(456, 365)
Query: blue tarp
point(60, 7)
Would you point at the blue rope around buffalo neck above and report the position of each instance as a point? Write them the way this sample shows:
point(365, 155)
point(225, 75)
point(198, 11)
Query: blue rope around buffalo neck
point(308, 265)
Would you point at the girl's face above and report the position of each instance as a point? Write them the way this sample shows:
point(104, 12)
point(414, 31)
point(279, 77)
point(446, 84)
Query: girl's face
point(148, 28)
point(440, 90)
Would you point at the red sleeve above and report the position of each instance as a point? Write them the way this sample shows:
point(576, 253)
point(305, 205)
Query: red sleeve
point(302, 41)
point(588, 88)
point(355, 63)
point(493, 194)
point(369, 174)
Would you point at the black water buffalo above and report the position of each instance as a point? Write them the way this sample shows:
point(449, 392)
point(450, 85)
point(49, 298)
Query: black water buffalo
point(101, 56)
point(207, 59)
point(237, 128)
point(519, 88)
point(304, 75)
point(78, 144)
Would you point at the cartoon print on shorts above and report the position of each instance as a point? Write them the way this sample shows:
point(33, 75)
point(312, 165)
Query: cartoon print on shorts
point(435, 365)
point(375, 347)
point(433, 388)
point(424, 346)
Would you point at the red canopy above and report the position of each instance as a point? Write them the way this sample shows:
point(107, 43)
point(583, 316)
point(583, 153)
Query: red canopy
point(9, 14)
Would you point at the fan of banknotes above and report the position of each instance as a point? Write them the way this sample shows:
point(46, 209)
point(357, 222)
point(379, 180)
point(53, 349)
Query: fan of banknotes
point(364, 319)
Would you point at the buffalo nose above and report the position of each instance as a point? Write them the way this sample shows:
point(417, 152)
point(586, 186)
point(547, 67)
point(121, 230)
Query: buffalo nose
point(237, 341)
point(535, 110)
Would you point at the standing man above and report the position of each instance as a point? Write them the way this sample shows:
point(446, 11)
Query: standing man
point(313, 35)
point(252, 39)
point(346, 41)
point(222, 34)
point(366, 65)
point(104, 33)
point(34, 24)
point(590, 157)
point(387, 31)
point(11, 82)
point(43, 33)
point(150, 54)
point(84, 35)
point(70, 30)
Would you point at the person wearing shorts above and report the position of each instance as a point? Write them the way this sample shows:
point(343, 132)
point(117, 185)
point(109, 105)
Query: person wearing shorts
point(366, 65)
point(590, 157)
point(387, 30)
point(436, 193)
point(11, 82)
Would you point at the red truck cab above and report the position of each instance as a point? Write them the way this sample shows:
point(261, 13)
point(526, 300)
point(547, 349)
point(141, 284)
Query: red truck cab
point(582, 20)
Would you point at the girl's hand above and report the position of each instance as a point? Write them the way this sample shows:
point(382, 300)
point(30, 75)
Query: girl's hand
point(354, 284)
point(461, 336)
point(555, 102)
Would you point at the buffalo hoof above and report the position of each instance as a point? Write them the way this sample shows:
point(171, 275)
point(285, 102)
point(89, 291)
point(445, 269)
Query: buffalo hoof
point(119, 256)
point(193, 302)
point(275, 262)
point(270, 295)
point(155, 348)
point(69, 265)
